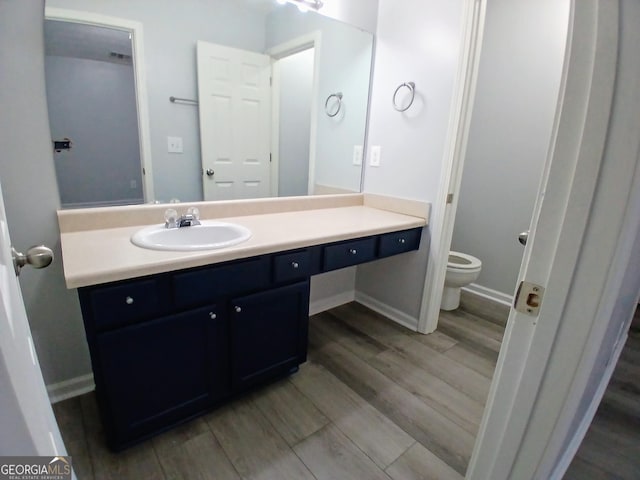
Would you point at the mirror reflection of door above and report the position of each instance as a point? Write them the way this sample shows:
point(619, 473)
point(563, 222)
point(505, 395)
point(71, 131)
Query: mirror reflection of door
point(240, 93)
point(234, 92)
point(92, 102)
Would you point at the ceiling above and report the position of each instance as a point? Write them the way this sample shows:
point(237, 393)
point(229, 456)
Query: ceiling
point(67, 39)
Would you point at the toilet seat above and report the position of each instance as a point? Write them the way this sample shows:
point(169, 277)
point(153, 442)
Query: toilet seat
point(467, 263)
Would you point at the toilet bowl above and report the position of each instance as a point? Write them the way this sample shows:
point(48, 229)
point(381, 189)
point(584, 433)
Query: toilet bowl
point(462, 269)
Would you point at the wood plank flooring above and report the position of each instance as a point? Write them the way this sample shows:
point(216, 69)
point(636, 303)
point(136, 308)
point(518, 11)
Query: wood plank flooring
point(611, 447)
point(374, 401)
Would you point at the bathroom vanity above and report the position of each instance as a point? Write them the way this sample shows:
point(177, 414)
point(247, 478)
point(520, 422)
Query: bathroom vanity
point(174, 342)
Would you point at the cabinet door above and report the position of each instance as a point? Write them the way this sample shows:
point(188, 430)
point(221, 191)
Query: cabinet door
point(156, 373)
point(269, 333)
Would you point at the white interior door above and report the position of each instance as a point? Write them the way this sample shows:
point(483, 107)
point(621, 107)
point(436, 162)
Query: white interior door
point(581, 246)
point(28, 424)
point(234, 94)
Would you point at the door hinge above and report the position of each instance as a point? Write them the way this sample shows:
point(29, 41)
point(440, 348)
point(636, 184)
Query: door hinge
point(270, 159)
point(528, 298)
point(449, 198)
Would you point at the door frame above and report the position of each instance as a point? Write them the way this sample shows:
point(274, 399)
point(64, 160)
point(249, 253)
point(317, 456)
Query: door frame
point(291, 47)
point(553, 367)
point(139, 71)
point(444, 212)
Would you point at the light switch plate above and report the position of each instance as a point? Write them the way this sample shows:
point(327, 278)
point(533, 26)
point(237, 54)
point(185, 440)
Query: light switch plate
point(374, 158)
point(174, 144)
point(357, 154)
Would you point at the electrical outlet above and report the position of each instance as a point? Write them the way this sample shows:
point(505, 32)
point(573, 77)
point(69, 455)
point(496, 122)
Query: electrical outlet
point(174, 144)
point(374, 158)
point(357, 154)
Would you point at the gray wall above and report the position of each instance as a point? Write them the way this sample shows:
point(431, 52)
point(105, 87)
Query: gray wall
point(93, 103)
point(517, 90)
point(31, 199)
point(296, 83)
point(416, 41)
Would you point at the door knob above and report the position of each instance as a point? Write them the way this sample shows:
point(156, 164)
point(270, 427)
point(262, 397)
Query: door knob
point(38, 256)
point(210, 172)
point(523, 237)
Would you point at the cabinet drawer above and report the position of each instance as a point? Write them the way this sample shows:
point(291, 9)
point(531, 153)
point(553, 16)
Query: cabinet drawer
point(349, 253)
point(399, 242)
point(125, 303)
point(199, 287)
point(291, 266)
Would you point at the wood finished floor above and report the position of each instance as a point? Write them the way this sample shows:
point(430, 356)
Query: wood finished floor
point(374, 401)
point(611, 448)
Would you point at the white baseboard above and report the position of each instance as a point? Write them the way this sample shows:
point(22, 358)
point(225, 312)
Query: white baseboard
point(489, 293)
point(388, 311)
point(70, 388)
point(328, 303)
point(581, 431)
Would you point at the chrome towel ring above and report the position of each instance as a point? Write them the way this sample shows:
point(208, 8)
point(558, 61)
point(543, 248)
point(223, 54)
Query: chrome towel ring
point(412, 90)
point(338, 96)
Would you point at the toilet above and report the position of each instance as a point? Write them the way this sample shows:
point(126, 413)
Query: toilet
point(462, 269)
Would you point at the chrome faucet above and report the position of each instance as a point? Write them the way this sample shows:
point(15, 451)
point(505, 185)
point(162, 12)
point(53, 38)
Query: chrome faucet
point(189, 219)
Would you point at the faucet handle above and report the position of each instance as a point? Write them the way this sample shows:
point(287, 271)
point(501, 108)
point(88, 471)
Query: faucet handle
point(194, 212)
point(170, 218)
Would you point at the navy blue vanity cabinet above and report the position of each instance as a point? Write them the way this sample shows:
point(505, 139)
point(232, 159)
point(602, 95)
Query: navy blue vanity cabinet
point(167, 347)
point(268, 334)
point(156, 373)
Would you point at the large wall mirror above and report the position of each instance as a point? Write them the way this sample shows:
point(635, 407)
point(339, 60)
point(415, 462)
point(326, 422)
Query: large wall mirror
point(241, 99)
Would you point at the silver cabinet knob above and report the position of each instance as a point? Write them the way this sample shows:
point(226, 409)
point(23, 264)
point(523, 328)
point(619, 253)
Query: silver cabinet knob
point(238, 309)
point(128, 300)
point(295, 264)
point(401, 240)
point(38, 256)
point(212, 316)
point(353, 251)
point(210, 172)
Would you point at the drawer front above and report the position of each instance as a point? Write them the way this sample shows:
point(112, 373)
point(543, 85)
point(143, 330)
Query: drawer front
point(291, 266)
point(126, 303)
point(199, 287)
point(349, 253)
point(399, 242)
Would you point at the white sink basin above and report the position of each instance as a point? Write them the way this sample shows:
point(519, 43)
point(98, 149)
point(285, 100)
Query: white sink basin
point(210, 235)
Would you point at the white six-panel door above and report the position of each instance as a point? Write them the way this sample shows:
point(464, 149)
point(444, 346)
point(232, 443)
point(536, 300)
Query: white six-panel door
point(234, 93)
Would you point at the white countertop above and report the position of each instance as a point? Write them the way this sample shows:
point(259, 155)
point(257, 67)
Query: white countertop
point(104, 255)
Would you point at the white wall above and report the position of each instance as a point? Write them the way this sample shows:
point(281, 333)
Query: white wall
point(360, 13)
point(516, 97)
point(31, 196)
point(296, 88)
point(93, 103)
point(417, 41)
point(171, 30)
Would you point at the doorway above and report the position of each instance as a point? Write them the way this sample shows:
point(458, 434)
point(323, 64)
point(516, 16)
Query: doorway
point(294, 84)
point(92, 114)
point(96, 84)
